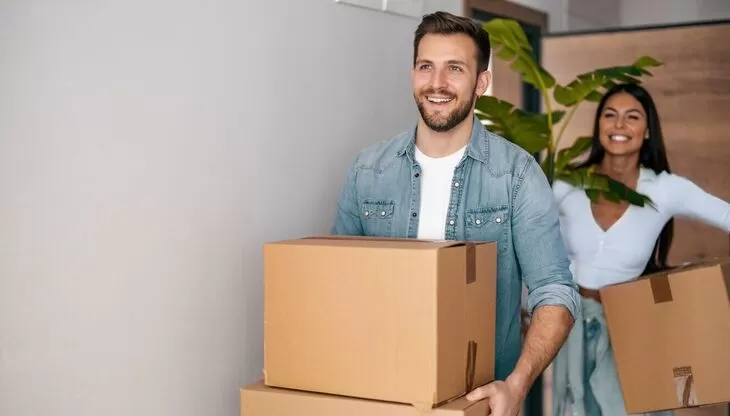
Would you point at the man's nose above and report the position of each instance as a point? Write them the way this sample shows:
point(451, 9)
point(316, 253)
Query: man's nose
point(438, 80)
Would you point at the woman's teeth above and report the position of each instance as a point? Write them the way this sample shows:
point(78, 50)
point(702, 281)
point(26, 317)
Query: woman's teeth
point(619, 138)
point(439, 100)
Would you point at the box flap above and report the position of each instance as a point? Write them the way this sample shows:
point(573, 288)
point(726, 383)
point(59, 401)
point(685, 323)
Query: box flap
point(260, 400)
point(376, 242)
point(659, 281)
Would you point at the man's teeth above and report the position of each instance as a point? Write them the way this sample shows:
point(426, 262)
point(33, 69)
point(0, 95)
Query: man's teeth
point(439, 100)
point(619, 138)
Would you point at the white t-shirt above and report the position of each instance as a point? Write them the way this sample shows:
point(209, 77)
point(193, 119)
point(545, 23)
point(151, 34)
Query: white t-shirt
point(437, 175)
point(600, 258)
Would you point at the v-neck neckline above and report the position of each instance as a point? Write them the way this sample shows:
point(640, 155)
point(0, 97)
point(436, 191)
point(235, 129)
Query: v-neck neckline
point(612, 226)
point(620, 218)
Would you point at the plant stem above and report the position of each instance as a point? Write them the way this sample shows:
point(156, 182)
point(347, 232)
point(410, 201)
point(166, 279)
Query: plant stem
point(565, 124)
point(551, 146)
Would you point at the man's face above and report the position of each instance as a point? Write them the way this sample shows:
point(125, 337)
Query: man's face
point(446, 81)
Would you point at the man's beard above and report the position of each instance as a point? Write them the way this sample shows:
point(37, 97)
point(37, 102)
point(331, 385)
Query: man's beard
point(452, 119)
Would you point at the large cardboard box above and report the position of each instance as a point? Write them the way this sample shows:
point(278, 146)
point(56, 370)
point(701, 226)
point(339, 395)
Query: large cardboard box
point(397, 320)
point(671, 337)
point(260, 400)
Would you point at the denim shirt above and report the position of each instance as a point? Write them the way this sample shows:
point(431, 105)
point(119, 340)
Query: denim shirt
point(498, 193)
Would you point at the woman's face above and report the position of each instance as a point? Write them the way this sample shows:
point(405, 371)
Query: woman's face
point(622, 125)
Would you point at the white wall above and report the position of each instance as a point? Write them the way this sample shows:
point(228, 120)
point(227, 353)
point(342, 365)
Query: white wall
point(147, 150)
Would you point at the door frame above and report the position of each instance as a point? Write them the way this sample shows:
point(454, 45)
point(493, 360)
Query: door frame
point(535, 24)
point(509, 10)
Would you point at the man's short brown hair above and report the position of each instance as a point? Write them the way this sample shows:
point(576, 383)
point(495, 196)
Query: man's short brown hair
point(443, 23)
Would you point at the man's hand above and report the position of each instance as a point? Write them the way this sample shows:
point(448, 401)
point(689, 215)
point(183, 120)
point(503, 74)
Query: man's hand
point(504, 398)
point(547, 332)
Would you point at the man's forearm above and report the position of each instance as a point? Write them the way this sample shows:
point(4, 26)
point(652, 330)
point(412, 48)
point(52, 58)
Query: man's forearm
point(549, 327)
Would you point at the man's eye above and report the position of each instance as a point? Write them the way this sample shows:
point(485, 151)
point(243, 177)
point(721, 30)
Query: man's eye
point(455, 68)
point(423, 67)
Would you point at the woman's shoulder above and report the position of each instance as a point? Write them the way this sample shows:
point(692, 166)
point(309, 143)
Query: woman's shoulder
point(664, 179)
point(562, 189)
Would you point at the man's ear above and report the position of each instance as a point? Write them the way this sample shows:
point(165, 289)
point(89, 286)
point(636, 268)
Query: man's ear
point(483, 81)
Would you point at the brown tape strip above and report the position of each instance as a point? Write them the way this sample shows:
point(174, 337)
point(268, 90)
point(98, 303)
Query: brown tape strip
point(471, 263)
point(660, 288)
point(471, 363)
point(684, 383)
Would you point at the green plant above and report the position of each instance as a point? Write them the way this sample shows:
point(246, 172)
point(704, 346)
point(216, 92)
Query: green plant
point(541, 132)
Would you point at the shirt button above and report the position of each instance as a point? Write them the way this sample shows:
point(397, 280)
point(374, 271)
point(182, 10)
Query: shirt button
point(451, 222)
point(382, 213)
point(416, 174)
point(477, 221)
point(367, 213)
point(413, 214)
point(498, 220)
point(456, 184)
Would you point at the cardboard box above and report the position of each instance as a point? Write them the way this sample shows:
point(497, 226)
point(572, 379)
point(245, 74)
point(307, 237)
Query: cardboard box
point(260, 400)
point(671, 337)
point(397, 320)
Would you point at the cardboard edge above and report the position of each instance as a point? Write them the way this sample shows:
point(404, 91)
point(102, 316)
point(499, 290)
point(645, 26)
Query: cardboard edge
point(721, 262)
point(437, 244)
point(457, 405)
point(725, 268)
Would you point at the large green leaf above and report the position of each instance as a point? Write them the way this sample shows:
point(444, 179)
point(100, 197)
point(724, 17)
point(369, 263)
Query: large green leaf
point(510, 44)
point(565, 156)
point(590, 85)
point(527, 130)
point(596, 184)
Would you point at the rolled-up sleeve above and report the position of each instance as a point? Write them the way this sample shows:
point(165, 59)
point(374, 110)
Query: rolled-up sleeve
point(539, 245)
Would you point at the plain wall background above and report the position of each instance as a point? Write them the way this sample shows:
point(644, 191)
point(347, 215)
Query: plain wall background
point(147, 150)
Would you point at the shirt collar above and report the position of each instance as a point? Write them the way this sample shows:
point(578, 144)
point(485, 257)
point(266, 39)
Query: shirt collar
point(478, 147)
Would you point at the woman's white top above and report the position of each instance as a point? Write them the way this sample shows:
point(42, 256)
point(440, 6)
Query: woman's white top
point(600, 258)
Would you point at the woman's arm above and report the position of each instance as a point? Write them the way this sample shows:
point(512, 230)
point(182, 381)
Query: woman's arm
point(689, 200)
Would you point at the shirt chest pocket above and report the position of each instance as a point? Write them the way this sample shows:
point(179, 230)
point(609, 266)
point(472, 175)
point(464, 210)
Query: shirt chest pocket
point(377, 217)
point(488, 224)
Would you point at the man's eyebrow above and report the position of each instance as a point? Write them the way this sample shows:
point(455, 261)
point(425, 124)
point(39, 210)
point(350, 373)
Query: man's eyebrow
point(450, 62)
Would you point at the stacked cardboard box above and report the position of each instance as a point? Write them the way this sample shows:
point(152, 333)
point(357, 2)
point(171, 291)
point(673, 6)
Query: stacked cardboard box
point(670, 333)
point(362, 326)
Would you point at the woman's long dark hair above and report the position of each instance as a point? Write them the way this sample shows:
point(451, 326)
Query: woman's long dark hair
point(652, 156)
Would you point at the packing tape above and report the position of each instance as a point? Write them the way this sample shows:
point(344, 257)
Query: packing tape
point(685, 386)
point(471, 263)
point(660, 288)
point(471, 362)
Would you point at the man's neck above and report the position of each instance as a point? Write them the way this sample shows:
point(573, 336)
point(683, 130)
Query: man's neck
point(624, 169)
point(441, 144)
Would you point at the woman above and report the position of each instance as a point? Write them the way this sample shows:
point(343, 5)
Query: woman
point(612, 242)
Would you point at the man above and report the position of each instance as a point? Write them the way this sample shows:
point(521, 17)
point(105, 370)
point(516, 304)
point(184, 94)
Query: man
point(450, 178)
